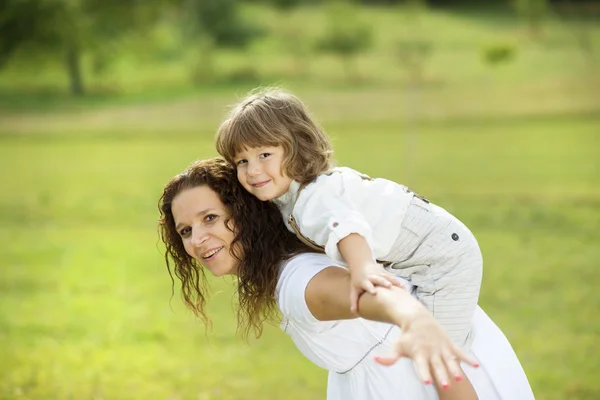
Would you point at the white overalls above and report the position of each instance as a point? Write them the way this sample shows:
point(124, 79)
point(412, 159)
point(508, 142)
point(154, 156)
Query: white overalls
point(415, 239)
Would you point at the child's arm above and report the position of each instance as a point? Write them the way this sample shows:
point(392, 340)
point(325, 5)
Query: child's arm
point(364, 271)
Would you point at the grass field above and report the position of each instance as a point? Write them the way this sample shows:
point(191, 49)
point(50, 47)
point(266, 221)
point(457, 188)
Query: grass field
point(86, 309)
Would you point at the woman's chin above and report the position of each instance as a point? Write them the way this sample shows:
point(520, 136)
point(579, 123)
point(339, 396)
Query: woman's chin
point(219, 271)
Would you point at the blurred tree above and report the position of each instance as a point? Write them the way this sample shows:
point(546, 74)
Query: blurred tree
point(209, 25)
point(413, 55)
point(346, 36)
point(466, 3)
point(533, 12)
point(413, 50)
point(383, 2)
point(220, 21)
point(70, 28)
point(285, 4)
point(498, 54)
point(580, 18)
point(292, 33)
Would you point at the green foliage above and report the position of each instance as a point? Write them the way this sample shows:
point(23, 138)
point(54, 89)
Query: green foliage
point(221, 21)
point(499, 53)
point(285, 4)
point(414, 48)
point(533, 12)
point(531, 8)
point(346, 34)
point(203, 69)
point(346, 42)
point(13, 31)
point(413, 55)
point(66, 29)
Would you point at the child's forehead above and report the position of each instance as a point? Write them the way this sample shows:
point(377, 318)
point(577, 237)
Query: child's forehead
point(252, 149)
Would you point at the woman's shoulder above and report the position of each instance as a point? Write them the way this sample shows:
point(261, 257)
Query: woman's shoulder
point(307, 261)
point(295, 274)
point(297, 271)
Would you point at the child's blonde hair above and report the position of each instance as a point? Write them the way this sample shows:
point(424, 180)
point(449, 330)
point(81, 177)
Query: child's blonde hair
point(273, 117)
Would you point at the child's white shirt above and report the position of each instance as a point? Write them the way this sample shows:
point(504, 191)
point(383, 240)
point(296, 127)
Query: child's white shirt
point(343, 202)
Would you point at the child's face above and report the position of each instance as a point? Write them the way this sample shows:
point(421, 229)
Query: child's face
point(259, 170)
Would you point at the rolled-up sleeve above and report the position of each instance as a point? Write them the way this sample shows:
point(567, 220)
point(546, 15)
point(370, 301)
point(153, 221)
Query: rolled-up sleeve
point(329, 211)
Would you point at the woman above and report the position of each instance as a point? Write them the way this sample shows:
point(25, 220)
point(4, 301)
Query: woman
point(209, 221)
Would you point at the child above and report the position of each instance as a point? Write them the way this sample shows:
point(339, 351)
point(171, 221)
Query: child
point(283, 155)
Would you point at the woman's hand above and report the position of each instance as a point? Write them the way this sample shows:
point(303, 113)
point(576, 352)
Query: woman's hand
point(435, 356)
point(422, 338)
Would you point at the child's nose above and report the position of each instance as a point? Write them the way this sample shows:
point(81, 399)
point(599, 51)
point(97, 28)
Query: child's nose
point(254, 168)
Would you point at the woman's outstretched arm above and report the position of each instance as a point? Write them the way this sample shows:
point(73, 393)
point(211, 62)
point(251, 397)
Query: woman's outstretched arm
point(422, 339)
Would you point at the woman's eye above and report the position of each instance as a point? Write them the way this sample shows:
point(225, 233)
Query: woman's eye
point(210, 217)
point(185, 231)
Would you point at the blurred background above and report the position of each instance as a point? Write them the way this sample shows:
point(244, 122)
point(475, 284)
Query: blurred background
point(490, 109)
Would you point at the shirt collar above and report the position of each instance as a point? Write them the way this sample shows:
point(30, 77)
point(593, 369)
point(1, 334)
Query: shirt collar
point(286, 201)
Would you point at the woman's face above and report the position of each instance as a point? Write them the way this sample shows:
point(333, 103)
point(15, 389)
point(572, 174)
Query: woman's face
point(200, 218)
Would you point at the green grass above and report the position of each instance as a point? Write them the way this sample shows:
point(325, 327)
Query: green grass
point(86, 309)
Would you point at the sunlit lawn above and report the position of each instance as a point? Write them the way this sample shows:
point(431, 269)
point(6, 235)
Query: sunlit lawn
point(85, 309)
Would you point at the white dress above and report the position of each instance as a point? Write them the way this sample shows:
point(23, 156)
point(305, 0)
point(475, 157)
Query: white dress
point(346, 348)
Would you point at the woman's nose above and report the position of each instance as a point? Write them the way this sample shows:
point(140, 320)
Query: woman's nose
point(199, 237)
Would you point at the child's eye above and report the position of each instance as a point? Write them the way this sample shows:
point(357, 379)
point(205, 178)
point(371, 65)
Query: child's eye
point(185, 231)
point(265, 155)
point(241, 162)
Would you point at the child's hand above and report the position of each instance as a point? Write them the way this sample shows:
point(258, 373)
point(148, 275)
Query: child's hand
point(366, 278)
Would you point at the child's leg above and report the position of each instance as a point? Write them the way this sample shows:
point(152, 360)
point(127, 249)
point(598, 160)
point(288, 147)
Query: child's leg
point(451, 298)
point(455, 276)
point(446, 269)
point(451, 292)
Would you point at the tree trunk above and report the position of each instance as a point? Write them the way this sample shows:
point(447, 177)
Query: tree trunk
point(73, 64)
point(350, 68)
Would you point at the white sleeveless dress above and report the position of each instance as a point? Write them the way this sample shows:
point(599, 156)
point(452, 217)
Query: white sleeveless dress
point(346, 348)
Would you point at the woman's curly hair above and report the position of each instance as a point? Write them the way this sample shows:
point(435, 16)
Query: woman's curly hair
point(261, 243)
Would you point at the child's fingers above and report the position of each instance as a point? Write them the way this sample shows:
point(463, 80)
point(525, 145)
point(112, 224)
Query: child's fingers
point(394, 280)
point(368, 287)
point(354, 300)
point(379, 281)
